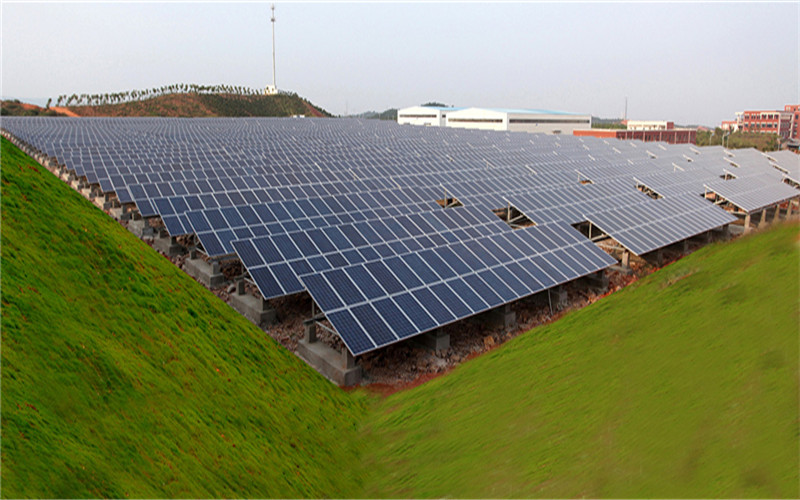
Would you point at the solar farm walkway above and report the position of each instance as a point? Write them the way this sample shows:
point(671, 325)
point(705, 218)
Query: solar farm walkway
point(394, 230)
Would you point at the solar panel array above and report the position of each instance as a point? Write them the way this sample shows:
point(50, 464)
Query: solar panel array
point(352, 210)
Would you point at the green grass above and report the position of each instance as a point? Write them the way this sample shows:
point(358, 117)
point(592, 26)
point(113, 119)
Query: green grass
point(683, 385)
point(121, 376)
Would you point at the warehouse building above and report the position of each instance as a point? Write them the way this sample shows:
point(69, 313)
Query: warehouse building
point(518, 120)
point(430, 116)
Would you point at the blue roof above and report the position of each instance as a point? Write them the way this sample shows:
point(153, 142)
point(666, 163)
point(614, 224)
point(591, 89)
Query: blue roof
point(441, 108)
point(532, 111)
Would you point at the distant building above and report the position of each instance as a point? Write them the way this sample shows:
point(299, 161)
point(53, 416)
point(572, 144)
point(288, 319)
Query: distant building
point(671, 136)
point(649, 125)
point(767, 121)
point(518, 120)
point(730, 125)
point(794, 109)
point(271, 90)
point(430, 116)
point(783, 123)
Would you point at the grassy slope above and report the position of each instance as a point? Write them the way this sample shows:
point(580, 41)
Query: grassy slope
point(683, 385)
point(122, 377)
point(205, 105)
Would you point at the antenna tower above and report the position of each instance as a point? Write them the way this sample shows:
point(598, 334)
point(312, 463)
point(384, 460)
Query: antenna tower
point(274, 85)
point(625, 114)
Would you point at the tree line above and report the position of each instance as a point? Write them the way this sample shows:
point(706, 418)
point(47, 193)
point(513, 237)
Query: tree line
point(140, 95)
point(738, 140)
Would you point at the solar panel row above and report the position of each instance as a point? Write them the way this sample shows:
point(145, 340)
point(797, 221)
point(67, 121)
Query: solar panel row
point(350, 210)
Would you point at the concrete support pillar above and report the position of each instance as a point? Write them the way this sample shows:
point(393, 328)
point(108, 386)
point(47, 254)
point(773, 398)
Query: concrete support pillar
point(436, 340)
point(311, 332)
point(659, 257)
point(214, 267)
point(726, 233)
point(763, 221)
point(685, 247)
point(167, 244)
point(626, 258)
point(598, 282)
point(240, 287)
point(747, 223)
point(348, 360)
point(559, 297)
point(789, 209)
point(777, 212)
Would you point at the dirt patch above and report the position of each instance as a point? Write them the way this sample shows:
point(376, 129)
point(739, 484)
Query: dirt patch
point(64, 111)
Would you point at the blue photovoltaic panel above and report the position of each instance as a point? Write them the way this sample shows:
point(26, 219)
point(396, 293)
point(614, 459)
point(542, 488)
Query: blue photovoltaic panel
point(351, 210)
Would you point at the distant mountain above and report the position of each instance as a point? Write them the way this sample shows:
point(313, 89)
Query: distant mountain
point(389, 114)
point(204, 105)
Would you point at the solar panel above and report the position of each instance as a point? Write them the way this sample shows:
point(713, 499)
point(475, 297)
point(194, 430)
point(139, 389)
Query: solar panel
point(650, 226)
point(351, 210)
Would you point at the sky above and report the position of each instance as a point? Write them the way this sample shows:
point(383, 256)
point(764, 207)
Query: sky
point(691, 63)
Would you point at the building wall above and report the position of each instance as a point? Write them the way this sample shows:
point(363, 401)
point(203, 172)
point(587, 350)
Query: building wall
point(603, 133)
point(649, 125)
point(420, 115)
point(477, 118)
point(548, 124)
point(794, 128)
point(672, 136)
point(767, 121)
point(513, 121)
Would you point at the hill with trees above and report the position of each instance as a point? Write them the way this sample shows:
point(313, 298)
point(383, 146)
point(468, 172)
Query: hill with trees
point(178, 100)
point(13, 107)
point(389, 114)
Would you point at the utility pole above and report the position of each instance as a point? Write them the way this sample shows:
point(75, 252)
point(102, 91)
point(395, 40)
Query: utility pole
point(625, 114)
point(274, 84)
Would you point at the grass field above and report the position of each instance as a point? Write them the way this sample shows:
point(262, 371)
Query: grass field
point(683, 385)
point(121, 376)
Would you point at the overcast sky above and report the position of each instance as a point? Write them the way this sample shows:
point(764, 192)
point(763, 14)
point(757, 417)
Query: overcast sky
point(693, 63)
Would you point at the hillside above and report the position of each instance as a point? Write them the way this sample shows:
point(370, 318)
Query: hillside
point(123, 377)
point(195, 105)
point(16, 108)
point(683, 385)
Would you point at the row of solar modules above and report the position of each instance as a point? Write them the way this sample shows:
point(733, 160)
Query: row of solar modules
point(649, 226)
point(312, 222)
point(175, 211)
point(279, 260)
point(573, 204)
point(378, 303)
point(787, 163)
point(752, 195)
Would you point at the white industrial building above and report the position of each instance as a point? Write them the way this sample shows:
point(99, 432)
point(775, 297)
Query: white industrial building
point(431, 116)
point(519, 120)
point(649, 125)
